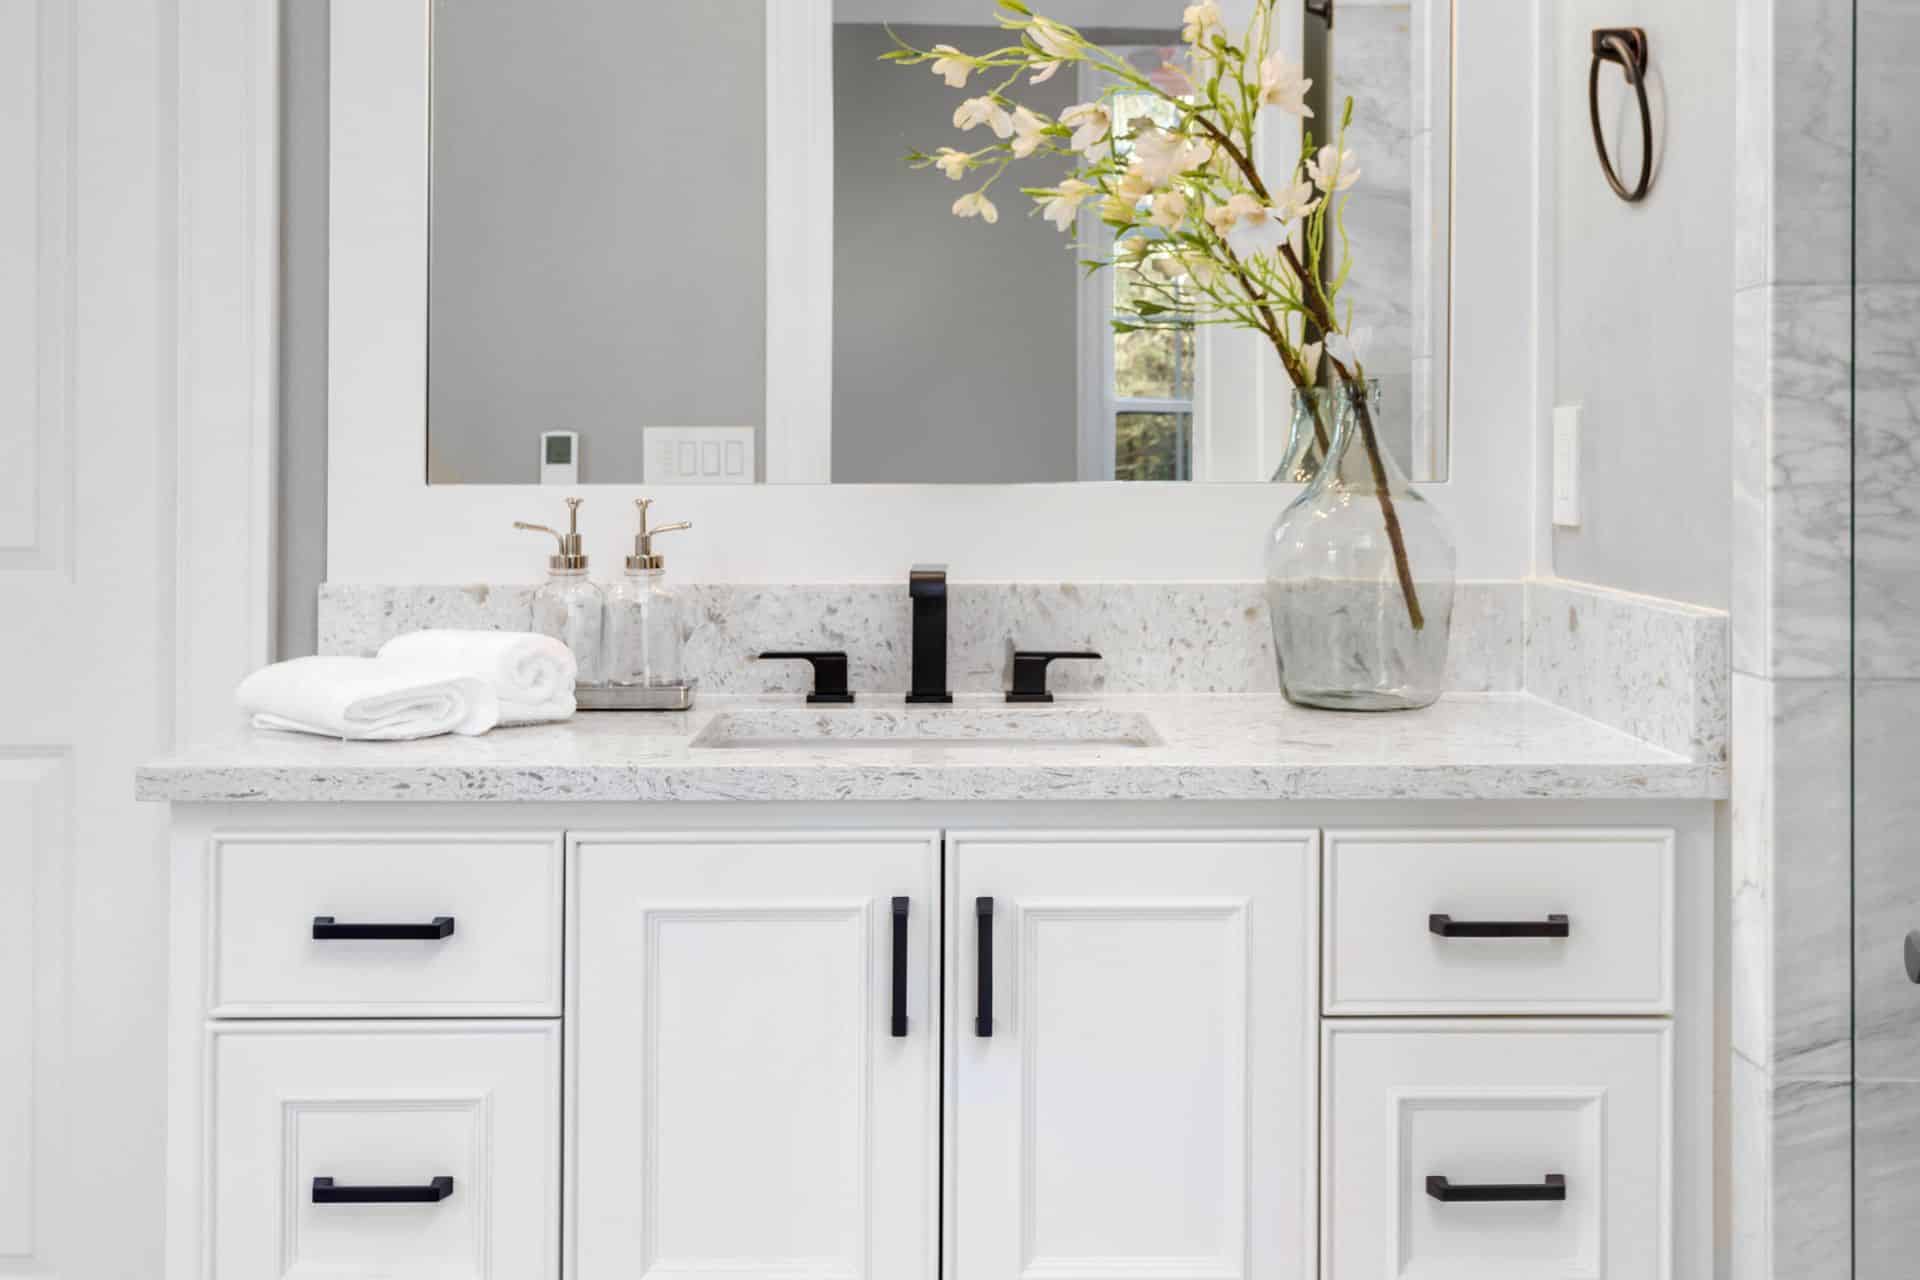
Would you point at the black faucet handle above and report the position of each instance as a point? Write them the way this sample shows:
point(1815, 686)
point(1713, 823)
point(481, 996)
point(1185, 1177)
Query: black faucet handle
point(1030, 672)
point(829, 672)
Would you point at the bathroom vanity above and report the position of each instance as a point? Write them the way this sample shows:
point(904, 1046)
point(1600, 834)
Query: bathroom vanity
point(1134, 986)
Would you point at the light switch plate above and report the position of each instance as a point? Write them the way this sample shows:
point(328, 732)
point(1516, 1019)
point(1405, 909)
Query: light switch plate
point(1566, 465)
point(700, 455)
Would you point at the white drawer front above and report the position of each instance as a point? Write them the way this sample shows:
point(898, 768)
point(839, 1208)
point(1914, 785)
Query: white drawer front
point(378, 1106)
point(1387, 955)
point(1489, 1107)
point(501, 957)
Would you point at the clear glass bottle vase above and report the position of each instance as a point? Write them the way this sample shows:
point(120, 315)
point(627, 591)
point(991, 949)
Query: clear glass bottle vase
point(1360, 572)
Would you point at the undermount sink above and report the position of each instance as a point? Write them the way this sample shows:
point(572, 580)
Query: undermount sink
point(850, 728)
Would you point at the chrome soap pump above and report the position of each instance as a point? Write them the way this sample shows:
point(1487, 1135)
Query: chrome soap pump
point(643, 617)
point(569, 607)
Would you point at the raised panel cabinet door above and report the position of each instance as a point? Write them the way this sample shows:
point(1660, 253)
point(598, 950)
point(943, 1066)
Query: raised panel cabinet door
point(1131, 1031)
point(740, 1102)
point(385, 1150)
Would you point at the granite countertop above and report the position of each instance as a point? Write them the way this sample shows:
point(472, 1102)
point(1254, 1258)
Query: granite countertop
point(1486, 746)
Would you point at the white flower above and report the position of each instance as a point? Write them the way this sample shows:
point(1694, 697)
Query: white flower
point(1092, 124)
point(1250, 228)
point(1350, 349)
point(975, 204)
point(1295, 200)
point(953, 65)
point(1052, 40)
point(1333, 169)
point(983, 111)
point(1134, 250)
point(1117, 210)
point(1029, 131)
point(1203, 21)
point(1169, 210)
point(952, 163)
point(1310, 361)
point(1134, 185)
point(1062, 204)
point(1162, 154)
point(1282, 86)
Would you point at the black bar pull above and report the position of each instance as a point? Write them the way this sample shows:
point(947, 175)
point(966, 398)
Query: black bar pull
point(983, 994)
point(327, 929)
point(1554, 1187)
point(1447, 927)
point(326, 1192)
point(900, 909)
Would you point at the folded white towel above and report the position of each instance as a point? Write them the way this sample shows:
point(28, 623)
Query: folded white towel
point(366, 698)
point(532, 674)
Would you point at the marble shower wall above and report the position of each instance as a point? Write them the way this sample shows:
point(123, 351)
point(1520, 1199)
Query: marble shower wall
point(1826, 1027)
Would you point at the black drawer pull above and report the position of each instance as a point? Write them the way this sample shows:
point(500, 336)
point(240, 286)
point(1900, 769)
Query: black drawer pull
point(1447, 927)
point(325, 1192)
point(983, 994)
point(900, 909)
point(1554, 1187)
point(327, 929)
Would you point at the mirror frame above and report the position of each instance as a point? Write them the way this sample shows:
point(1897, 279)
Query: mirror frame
point(386, 524)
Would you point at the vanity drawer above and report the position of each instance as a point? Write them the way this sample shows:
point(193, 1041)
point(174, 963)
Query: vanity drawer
point(441, 1141)
point(1497, 1150)
point(412, 925)
point(1547, 921)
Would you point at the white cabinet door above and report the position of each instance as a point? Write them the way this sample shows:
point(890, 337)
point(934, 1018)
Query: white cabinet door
point(385, 1150)
point(1498, 1150)
point(740, 1103)
point(1143, 1106)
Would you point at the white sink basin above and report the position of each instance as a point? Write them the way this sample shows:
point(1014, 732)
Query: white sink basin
point(864, 728)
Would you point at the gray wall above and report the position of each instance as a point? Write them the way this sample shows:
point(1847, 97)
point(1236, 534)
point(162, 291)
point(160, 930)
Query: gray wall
point(301, 522)
point(954, 343)
point(598, 229)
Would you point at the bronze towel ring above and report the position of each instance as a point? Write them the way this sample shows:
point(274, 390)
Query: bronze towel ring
point(1628, 47)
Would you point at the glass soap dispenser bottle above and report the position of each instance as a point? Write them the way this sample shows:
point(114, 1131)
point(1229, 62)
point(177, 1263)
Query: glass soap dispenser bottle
point(569, 607)
point(643, 616)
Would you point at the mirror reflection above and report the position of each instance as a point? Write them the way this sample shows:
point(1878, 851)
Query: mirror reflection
point(606, 176)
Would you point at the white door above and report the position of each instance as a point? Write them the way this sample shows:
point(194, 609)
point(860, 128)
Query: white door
point(395, 1150)
point(102, 435)
point(1130, 1038)
point(753, 1055)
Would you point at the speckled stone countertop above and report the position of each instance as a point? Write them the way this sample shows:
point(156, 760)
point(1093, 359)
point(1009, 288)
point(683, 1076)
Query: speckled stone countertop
point(1483, 746)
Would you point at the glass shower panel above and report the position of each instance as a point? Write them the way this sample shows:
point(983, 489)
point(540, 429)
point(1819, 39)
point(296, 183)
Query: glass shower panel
point(1885, 404)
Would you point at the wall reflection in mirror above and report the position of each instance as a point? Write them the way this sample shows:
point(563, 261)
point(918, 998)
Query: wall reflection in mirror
point(603, 179)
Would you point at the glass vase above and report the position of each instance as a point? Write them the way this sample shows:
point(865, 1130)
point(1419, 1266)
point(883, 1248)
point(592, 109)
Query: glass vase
point(1360, 577)
point(1309, 435)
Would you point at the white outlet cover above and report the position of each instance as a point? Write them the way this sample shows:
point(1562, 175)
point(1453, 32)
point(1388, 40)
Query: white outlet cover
point(700, 455)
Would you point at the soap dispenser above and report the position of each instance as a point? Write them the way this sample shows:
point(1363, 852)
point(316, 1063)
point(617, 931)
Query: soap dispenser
point(570, 608)
point(643, 617)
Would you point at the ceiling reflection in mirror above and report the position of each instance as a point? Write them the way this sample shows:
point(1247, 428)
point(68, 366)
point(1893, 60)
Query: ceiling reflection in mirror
point(605, 177)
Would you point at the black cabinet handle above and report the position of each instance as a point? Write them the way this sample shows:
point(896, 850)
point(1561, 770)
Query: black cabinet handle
point(327, 929)
point(983, 994)
point(829, 672)
point(325, 1192)
point(1030, 673)
point(900, 909)
point(1554, 1187)
point(1447, 927)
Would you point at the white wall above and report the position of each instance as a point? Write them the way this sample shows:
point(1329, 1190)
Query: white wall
point(1643, 318)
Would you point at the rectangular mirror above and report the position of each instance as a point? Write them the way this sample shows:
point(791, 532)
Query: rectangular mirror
point(626, 200)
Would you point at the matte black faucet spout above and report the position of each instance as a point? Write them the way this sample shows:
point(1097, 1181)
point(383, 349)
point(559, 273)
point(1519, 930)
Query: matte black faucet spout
point(927, 584)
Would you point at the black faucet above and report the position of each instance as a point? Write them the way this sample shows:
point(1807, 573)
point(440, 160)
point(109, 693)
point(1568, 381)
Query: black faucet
point(927, 584)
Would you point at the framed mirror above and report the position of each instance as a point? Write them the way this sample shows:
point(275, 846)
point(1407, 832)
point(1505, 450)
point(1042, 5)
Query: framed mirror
point(682, 244)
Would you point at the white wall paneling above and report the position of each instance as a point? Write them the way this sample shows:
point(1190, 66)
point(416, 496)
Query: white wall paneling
point(385, 524)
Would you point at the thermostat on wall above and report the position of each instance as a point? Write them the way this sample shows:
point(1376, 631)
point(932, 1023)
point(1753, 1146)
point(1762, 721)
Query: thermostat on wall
point(560, 457)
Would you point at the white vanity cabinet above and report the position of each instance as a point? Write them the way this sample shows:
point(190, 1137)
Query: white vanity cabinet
point(828, 1042)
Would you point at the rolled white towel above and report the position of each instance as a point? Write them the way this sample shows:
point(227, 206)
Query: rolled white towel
point(532, 674)
point(365, 698)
